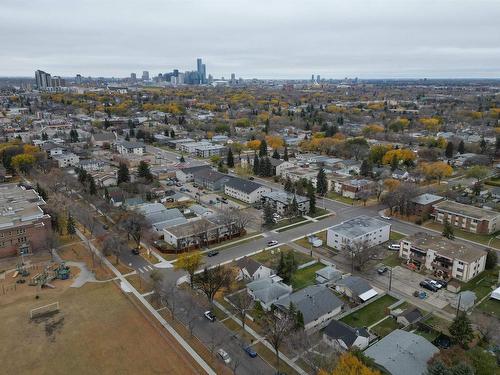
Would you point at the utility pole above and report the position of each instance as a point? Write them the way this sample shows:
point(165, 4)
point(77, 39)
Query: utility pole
point(390, 279)
point(459, 300)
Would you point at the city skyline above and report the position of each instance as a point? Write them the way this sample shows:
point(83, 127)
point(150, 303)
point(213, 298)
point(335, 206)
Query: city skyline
point(281, 40)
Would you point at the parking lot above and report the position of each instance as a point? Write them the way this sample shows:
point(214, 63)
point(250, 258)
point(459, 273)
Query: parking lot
point(408, 281)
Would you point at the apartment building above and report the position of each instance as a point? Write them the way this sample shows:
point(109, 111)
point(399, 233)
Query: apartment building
point(359, 229)
point(209, 150)
point(67, 159)
point(466, 217)
point(280, 201)
point(448, 259)
point(23, 224)
point(245, 190)
point(125, 147)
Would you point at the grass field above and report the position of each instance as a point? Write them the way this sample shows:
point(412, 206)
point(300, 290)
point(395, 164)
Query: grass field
point(98, 330)
point(385, 327)
point(320, 212)
point(340, 198)
point(482, 284)
point(393, 259)
point(270, 258)
point(369, 314)
point(491, 307)
point(396, 236)
point(305, 243)
point(305, 276)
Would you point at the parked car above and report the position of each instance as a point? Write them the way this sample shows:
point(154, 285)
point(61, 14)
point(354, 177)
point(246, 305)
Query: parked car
point(435, 283)
point(272, 243)
point(385, 217)
point(252, 353)
point(382, 270)
point(105, 227)
point(251, 178)
point(212, 253)
point(426, 285)
point(224, 356)
point(135, 251)
point(209, 315)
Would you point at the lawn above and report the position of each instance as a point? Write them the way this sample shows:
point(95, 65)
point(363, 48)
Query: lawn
point(270, 357)
point(305, 276)
point(270, 258)
point(482, 283)
point(305, 243)
point(439, 324)
point(479, 238)
point(236, 241)
point(97, 330)
point(369, 314)
point(491, 306)
point(396, 236)
point(320, 212)
point(340, 198)
point(385, 327)
point(285, 222)
point(393, 259)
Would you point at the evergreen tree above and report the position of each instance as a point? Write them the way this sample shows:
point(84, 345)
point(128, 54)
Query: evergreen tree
point(230, 159)
point(41, 192)
point(449, 150)
point(461, 330)
point(172, 134)
point(461, 147)
point(182, 160)
point(394, 163)
point(256, 166)
point(293, 208)
point(285, 154)
point(268, 214)
point(263, 148)
point(123, 174)
point(127, 137)
point(45, 136)
point(491, 260)
point(106, 194)
point(276, 154)
point(312, 198)
point(70, 225)
point(107, 124)
point(92, 185)
point(321, 183)
point(299, 320)
point(266, 126)
point(288, 185)
point(448, 231)
point(73, 136)
point(268, 167)
point(144, 171)
point(366, 168)
point(483, 145)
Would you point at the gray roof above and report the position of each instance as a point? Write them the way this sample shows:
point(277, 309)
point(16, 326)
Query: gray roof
point(102, 137)
point(339, 330)
point(358, 226)
point(412, 314)
point(313, 301)
point(249, 264)
point(245, 186)
point(195, 168)
point(329, 273)
point(356, 284)
point(199, 210)
point(402, 353)
point(266, 290)
point(129, 144)
point(284, 197)
point(425, 199)
point(209, 175)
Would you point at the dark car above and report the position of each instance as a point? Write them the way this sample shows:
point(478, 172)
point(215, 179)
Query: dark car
point(105, 227)
point(251, 178)
point(252, 353)
point(428, 286)
point(135, 251)
point(209, 315)
point(212, 253)
point(382, 270)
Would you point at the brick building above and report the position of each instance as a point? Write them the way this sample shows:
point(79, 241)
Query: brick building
point(23, 224)
point(466, 217)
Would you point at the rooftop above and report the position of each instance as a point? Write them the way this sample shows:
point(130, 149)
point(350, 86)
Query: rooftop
point(19, 206)
point(445, 247)
point(284, 197)
point(467, 210)
point(339, 330)
point(358, 226)
point(425, 199)
point(240, 184)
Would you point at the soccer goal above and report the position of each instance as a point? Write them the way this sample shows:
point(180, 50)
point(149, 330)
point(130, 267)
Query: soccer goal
point(44, 310)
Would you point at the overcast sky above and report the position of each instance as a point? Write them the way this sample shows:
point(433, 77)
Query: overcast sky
point(252, 38)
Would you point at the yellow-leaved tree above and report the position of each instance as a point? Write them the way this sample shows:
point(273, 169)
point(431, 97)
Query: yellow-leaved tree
point(189, 262)
point(437, 170)
point(349, 364)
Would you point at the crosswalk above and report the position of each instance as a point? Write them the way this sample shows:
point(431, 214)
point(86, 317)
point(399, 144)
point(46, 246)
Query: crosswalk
point(145, 269)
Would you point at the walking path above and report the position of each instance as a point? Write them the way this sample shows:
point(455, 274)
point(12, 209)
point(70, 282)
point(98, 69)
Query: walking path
point(150, 308)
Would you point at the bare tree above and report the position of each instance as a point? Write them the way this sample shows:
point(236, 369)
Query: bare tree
point(169, 296)
point(113, 245)
point(227, 218)
point(360, 252)
point(88, 219)
point(211, 280)
point(191, 315)
point(134, 224)
point(242, 219)
point(278, 328)
point(243, 303)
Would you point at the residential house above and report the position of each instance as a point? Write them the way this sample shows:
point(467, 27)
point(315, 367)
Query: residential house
point(343, 337)
point(268, 291)
point(280, 201)
point(445, 257)
point(356, 288)
point(126, 147)
point(400, 174)
point(245, 190)
point(249, 269)
point(328, 274)
point(187, 174)
point(160, 217)
point(410, 316)
point(103, 138)
point(353, 188)
point(190, 147)
point(466, 217)
point(317, 303)
point(116, 196)
point(279, 166)
point(24, 226)
point(91, 165)
point(66, 159)
point(362, 229)
point(402, 353)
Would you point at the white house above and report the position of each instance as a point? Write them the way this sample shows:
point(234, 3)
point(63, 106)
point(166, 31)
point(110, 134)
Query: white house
point(67, 159)
point(360, 229)
point(136, 148)
point(245, 190)
point(250, 269)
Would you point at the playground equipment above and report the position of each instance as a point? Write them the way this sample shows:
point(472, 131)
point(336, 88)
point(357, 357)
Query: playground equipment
point(51, 272)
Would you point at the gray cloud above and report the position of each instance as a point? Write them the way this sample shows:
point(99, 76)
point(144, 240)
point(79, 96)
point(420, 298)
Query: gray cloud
point(259, 38)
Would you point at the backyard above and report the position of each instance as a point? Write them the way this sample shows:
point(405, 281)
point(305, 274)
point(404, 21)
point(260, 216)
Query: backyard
point(305, 276)
point(371, 313)
point(270, 258)
point(385, 327)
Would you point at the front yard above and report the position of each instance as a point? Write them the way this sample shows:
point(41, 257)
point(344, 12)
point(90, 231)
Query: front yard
point(270, 258)
point(369, 314)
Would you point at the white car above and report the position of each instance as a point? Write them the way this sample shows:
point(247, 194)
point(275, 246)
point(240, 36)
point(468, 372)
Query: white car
point(435, 283)
point(272, 243)
point(224, 356)
point(385, 217)
point(394, 246)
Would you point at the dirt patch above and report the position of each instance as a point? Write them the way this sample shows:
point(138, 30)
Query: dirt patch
point(80, 253)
